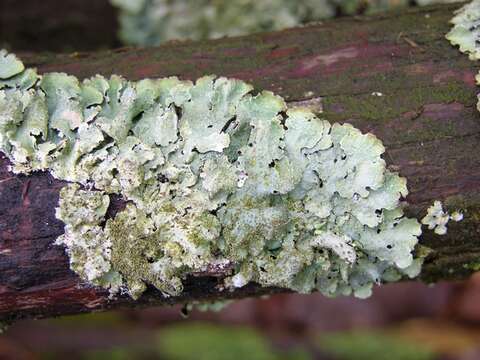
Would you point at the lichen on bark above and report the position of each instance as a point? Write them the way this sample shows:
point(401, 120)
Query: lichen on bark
point(466, 29)
point(437, 219)
point(151, 22)
point(213, 175)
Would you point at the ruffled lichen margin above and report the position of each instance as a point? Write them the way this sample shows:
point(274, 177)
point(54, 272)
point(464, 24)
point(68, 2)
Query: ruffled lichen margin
point(465, 33)
point(213, 175)
point(466, 29)
point(152, 22)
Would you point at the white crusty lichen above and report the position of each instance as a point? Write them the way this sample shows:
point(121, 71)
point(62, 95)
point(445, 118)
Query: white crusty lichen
point(213, 175)
point(466, 29)
point(437, 219)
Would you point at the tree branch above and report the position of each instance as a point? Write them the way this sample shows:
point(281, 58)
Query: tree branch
point(393, 75)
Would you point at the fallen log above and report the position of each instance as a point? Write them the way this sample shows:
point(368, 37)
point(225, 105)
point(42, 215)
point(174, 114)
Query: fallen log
point(393, 75)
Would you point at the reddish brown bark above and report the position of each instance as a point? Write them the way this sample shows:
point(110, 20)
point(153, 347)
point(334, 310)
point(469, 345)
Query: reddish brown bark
point(393, 75)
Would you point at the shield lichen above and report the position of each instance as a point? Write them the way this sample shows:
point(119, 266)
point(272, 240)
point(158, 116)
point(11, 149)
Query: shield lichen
point(437, 219)
point(213, 175)
point(151, 22)
point(466, 33)
point(466, 29)
point(9, 65)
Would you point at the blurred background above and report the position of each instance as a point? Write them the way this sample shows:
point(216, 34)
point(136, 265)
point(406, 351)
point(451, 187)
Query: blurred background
point(407, 321)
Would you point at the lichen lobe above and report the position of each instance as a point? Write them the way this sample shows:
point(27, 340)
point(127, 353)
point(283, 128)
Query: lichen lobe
point(437, 219)
point(466, 29)
point(213, 174)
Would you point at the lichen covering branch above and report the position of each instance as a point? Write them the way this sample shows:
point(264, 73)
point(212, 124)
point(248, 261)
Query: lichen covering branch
point(214, 174)
point(152, 22)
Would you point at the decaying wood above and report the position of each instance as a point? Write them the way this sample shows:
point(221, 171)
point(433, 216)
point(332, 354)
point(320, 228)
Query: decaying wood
point(393, 75)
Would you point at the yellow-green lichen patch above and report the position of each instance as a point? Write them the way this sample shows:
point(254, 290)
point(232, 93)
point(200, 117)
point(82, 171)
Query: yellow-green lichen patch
point(466, 29)
point(214, 175)
point(82, 211)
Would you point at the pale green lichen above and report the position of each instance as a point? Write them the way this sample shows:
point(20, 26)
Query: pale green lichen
point(437, 219)
point(206, 306)
point(151, 22)
point(214, 176)
point(466, 30)
point(4, 326)
point(9, 65)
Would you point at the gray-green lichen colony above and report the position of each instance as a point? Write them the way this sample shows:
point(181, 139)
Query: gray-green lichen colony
point(214, 175)
point(466, 29)
point(466, 33)
point(151, 22)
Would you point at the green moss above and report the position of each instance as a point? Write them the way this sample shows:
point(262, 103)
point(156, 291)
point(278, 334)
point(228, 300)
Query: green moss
point(393, 104)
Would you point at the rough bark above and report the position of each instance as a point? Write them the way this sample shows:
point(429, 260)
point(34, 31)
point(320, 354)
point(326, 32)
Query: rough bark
point(393, 75)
